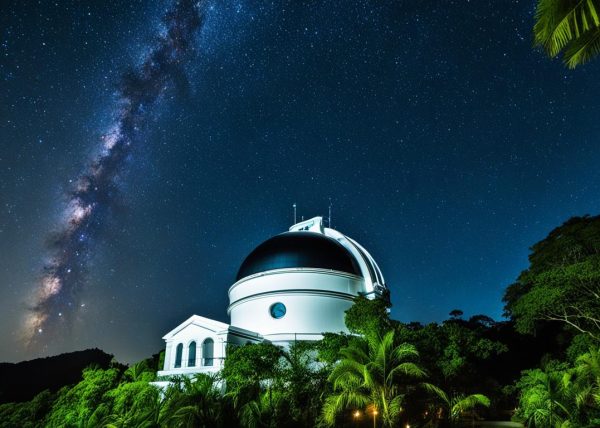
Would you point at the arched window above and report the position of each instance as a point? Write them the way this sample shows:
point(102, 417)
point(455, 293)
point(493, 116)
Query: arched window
point(178, 354)
point(208, 349)
point(192, 354)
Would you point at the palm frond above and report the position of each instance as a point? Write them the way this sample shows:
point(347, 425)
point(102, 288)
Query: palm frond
point(408, 369)
point(559, 22)
point(464, 404)
point(250, 414)
point(429, 387)
point(334, 404)
point(395, 406)
point(406, 350)
point(583, 49)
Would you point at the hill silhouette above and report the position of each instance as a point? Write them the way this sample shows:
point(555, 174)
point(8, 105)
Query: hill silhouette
point(22, 381)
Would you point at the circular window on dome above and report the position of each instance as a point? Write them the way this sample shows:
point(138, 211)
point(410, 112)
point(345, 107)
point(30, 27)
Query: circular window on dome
point(277, 310)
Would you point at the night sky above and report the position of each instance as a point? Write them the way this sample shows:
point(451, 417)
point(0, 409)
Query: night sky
point(448, 146)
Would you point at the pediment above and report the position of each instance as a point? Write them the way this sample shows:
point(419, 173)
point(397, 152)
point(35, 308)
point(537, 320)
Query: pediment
point(198, 321)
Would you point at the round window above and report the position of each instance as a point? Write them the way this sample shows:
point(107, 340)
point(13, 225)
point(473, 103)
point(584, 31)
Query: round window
point(277, 310)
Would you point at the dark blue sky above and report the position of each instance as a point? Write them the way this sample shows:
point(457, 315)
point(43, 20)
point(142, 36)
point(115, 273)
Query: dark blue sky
point(447, 145)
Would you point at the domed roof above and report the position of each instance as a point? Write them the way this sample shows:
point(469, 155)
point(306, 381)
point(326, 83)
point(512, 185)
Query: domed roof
point(299, 250)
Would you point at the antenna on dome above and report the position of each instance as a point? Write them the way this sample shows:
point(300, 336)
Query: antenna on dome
point(294, 206)
point(329, 219)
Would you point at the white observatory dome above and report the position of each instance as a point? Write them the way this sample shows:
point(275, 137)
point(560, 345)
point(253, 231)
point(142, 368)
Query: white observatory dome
point(297, 285)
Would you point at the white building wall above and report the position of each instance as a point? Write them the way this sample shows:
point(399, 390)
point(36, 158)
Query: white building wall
point(315, 301)
point(189, 334)
point(306, 314)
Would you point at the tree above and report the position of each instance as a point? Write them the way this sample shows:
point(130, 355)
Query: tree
point(131, 404)
point(271, 386)
point(142, 371)
point(302, 383)
point(196, 402)
point(587, 382)
point(81, 404)
point(249, 374)
point(330, 346)
point(28, 414)
point(458, 405)
point(545, 399)
point(368, 316)
point(562, 282)
point(456, 314)
point(377, 372)
point(568, 26)
point(452, 352)
point(561, 394)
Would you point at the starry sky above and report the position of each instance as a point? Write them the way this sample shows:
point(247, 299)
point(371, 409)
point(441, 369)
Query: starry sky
point(448, 146)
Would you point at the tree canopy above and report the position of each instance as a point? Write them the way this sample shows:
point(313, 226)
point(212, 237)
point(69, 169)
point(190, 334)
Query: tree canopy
point(562, 282)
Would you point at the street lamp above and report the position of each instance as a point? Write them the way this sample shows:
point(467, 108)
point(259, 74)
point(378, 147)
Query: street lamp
point(374, 417)
point(356, 416)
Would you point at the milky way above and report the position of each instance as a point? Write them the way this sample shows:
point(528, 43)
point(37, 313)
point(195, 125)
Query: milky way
point(93, 194)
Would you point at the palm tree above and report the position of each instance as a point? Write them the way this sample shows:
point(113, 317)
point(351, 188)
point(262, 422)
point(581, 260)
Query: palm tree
point(458, 405)
point(149, 409)
point(568, 26)
point(373, 372)
point(545, 399)
point(587, 381)
point(139, 372)
point(196, 403)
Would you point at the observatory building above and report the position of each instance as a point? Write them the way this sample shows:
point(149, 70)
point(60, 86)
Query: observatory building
point(294, 286)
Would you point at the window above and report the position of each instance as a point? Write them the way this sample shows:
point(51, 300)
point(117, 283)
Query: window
point(277, 310)
point(208, 349)
point(178, 354)
point(192, 355)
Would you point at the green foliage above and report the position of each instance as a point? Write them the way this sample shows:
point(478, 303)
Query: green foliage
point(580, 344)
point(451, 350)
point(269, 386)
point(456, 406)
point(195, 402)
point(545, 398)
point(587, 382)
point(562, 282)
point(302, 383)
point(568, 26)
point(142, 371)
point(562, 394)
point(368, 316)
point(129, 401)
point(27, 415)
point(248, 365)
point(330, 346)
point(81, 405)
point(374, 371)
